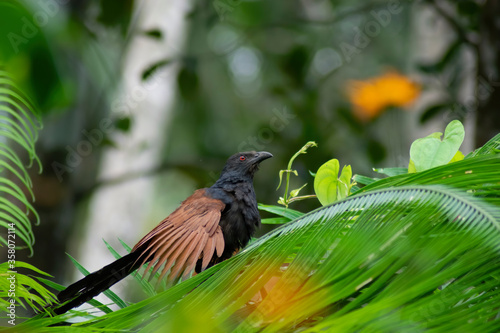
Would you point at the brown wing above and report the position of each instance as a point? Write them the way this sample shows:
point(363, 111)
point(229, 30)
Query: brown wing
point(190, 233)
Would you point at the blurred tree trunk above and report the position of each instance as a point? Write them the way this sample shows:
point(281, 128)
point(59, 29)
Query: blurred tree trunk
point(124, 198)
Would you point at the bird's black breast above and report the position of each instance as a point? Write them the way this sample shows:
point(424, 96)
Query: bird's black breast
point(239, 218)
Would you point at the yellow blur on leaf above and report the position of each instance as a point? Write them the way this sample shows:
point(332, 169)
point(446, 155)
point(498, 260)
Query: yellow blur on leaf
point(373, 96)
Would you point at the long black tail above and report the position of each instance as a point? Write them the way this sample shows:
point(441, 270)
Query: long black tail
point(97, 282)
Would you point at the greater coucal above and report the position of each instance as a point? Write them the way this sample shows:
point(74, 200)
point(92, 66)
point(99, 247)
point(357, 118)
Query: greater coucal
point(207, 228)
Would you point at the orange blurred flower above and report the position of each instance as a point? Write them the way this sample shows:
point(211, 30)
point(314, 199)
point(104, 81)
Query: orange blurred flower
point(371, 97)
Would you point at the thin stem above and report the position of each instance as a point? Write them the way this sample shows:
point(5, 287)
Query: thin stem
point(302, 197)
point(289, 170)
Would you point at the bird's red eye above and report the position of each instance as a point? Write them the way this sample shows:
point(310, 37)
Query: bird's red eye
point(242, 158)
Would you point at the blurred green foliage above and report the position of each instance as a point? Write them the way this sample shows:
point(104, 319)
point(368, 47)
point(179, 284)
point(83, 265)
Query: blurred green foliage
point(26, 53)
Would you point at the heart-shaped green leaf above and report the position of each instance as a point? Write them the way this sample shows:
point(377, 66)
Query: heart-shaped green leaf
point(429, 152)
point(329, 187)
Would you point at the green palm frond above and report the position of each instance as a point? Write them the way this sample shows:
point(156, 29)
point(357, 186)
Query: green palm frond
point(467, 174)
point(490, 147)
point(389, 257)
point(22, 288)
point(19, 125)
point(408, 257)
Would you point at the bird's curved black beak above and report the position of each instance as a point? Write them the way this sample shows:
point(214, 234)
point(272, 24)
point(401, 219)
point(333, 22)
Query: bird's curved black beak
point(261, 155)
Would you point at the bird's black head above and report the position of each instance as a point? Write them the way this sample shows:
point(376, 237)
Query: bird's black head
point(244, 165)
